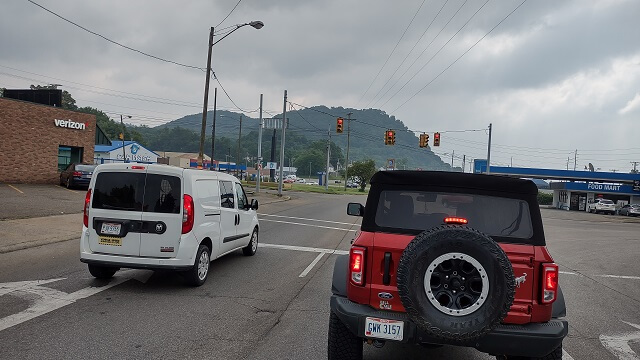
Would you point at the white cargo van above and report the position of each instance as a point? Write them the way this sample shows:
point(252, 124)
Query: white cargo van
point(164, 217)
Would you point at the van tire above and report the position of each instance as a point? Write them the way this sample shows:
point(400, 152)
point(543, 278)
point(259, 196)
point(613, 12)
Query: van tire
point(198, 274)
point(428, 247)
point(342, 343)
point(102, 272)
point(252, 248)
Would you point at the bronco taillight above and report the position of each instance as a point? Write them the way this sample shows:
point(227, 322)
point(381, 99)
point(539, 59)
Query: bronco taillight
point(187, 214)
point(549, 283)
point(356, 265)
point(85, 217)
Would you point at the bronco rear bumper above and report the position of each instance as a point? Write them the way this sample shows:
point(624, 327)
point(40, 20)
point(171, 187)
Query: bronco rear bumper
point(535, 339)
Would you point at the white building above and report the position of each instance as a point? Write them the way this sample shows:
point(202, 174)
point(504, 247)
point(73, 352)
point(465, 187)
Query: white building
point(132, 152)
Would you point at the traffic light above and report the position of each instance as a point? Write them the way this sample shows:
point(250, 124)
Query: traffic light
point(339, 125)
point(436, 139)
point(121, 136)
point(424, 140)
point(390, 137)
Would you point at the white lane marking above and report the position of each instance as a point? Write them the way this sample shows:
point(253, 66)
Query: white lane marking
point(304, 248)
point(565, 355)
point(317, 226)
point(299, 218)
point(568, 273)
point(620, 277)
point(49, 299)
point(313, 263)
point(618, 345)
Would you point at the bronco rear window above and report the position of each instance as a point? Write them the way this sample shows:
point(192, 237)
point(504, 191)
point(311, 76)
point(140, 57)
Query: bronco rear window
point(422, 210)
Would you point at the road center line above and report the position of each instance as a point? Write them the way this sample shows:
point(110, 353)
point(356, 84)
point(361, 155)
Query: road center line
point(15, 188)
point(316, 226)
point(304, 248)
point(620, 277)
point(299, 218)
point(566, 356)
point(313, 263)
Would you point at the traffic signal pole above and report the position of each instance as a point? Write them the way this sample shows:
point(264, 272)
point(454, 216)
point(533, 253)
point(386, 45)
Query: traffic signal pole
point(284, 126)
point(346, 164)
point(326, 178)
point(489, 152)
point(259, 150)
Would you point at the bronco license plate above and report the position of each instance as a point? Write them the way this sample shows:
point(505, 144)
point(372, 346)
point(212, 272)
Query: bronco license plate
point(384, 328)
point(110, 228)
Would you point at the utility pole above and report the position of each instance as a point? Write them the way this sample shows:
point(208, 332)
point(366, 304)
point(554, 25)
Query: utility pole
point(124, 154)
point(326, 177)
point(635, 166)
point(575, 160)
point(272, 172)
point(512, 161)
point(284, 126)
point(452, 153)
point(567, 163)
point(206, 98)
point(238, 157)
point(259, 149)
point(464, 160)
point(489, 151)
point(346, 167)
point(213, 127)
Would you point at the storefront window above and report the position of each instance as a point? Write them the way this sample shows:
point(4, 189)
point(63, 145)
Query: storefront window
point(68, 155)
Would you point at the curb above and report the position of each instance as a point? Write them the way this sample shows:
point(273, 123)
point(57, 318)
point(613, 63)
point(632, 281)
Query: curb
point(31, 244)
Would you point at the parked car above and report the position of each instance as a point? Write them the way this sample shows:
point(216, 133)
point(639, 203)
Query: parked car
point(164, 217)
point(351, 184)
point(288, 181)
point(630, 210)
point(602, 206)
point(421, 273)
point(300, 181)
point(77, 175)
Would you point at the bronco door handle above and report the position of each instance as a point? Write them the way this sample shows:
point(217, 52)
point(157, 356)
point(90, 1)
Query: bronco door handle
point(386, 277)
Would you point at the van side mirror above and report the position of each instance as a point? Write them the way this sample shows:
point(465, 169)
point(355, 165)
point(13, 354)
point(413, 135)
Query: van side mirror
point(355, 209)
point(254, 204)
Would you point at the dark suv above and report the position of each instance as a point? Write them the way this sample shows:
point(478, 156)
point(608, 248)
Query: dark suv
point(448, 258)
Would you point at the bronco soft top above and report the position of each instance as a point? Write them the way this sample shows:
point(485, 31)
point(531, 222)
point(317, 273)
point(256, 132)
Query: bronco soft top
point(495, 183)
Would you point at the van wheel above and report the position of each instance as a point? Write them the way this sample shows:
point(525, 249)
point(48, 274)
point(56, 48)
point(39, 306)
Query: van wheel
point(102, 272)
point(197, 275)
point(252, 248)
point(342, 344)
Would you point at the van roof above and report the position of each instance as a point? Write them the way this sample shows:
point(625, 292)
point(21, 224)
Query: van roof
point(178, 171)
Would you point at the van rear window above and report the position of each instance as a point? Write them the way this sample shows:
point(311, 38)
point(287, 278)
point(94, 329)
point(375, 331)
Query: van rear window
point(421, 210)
point(128, 191)
point(119, 191)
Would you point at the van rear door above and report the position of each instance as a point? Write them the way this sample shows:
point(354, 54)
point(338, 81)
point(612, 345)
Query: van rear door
point(116, 212)
point(161, 226)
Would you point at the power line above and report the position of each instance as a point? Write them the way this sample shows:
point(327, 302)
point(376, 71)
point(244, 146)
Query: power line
point(392, 51)
point(229, 97)
point(463, 54)
point(303, 118)
point(225, 18)
point(113, 41)
point(408, 54)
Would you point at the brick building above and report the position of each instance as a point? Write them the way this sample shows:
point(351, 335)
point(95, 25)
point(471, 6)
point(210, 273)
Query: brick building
point(36, 141)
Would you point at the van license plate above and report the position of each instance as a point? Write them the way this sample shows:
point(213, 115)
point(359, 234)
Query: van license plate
point(384, 328)
point(112, 241)
point(111, 228)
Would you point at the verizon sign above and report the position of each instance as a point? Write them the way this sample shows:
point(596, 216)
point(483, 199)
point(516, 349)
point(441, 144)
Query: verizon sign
point(69, 124)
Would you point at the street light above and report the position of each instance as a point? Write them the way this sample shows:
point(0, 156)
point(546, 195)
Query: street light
point(254, 24)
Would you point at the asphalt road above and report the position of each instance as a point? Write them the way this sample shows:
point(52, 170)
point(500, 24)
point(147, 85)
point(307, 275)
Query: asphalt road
point(275, 305)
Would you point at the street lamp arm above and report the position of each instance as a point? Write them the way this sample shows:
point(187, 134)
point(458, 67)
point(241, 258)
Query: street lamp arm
point(255, 24)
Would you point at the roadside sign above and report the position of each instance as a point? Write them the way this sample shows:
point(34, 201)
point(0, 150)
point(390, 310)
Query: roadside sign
point(272, 165)
point(636, 185)
point(391, 163)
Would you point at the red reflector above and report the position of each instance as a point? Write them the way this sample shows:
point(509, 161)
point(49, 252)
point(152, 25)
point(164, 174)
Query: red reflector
point(77, 174)
point(137, 167)
point(85, 216)
point(455, 220)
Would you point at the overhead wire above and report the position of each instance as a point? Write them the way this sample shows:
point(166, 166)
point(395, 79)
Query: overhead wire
point(225, 18)
point(392, 51)
point(113, 41)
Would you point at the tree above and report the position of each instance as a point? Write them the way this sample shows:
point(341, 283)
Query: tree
point(361, 172)
point(112, 128)
point(310, 159)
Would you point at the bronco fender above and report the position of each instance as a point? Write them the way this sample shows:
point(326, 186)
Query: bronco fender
point(339, 283)
point(559, 308)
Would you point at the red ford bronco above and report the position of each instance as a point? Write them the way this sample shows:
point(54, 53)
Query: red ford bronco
point(448, 258)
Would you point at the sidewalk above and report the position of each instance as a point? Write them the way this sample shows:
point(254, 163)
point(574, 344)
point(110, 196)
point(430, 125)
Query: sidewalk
point(27, 233)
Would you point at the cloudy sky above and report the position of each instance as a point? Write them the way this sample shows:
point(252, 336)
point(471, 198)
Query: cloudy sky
point(553, 77)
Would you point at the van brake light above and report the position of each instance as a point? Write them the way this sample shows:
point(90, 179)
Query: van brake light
point(356, 265)
point(187, 214)
point(85, 217)
point(549, 283)
point(455, 220)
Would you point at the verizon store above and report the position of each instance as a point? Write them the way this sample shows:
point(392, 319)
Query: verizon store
point(37, 141)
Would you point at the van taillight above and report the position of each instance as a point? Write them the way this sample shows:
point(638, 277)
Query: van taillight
point(356, 265)
point(549, 283)
point(187, 214)
point(85, 217)
point(77, 174)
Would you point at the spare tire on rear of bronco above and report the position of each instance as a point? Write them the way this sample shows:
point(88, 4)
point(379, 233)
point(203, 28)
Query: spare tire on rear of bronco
point(456, 283)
